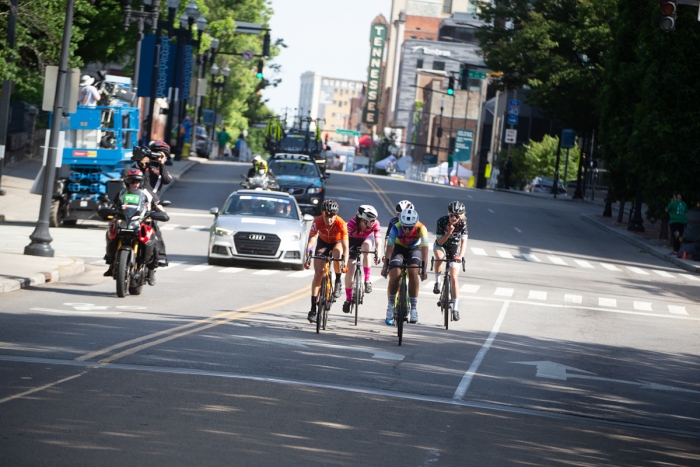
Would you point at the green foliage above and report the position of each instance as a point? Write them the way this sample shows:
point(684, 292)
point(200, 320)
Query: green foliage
point(539, 159)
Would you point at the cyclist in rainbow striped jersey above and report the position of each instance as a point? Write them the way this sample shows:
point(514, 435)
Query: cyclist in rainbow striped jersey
point(364, 232)
point(408, 240)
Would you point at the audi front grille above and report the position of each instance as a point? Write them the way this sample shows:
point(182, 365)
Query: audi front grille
point(253, 243)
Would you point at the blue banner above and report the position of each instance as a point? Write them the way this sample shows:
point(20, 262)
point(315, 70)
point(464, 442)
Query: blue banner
point(166, 64)
point(148, 50)
point(187, 73)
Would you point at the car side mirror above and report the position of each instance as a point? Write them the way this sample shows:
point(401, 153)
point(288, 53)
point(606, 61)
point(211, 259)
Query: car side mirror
point(308, 218)
point(165, 204)
point(214, 211)
point(326, 175)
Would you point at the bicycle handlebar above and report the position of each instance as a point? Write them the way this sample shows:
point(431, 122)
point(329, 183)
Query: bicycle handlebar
point(438, 260)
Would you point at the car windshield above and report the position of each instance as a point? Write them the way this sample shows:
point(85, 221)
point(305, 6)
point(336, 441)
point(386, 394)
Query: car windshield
point(294, 167)
point(261, 206)
point(201, 131)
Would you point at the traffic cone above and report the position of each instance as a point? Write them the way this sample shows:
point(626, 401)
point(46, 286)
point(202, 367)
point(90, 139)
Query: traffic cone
point(684, 255)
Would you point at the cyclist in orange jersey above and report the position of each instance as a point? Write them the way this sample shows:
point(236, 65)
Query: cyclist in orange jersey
point(332, 233)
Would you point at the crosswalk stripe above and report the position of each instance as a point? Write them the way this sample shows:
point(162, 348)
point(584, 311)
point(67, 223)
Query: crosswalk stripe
point(266, 272)
point(636, 270)
point(677, 310)
point(569, 298)
point(662, 273)
point(195, 228)
point(584, 264)
point(557, 260)
point(537, 295)
point(610, 267)
point(688, 276)
point(505, 254)
point(429, 285)
point(503, 292)
point(532, 258)
point(610, 302)
point(469, 288)
point(642, 306)
point(231, 270)
point(173, 264)
point(302, 274)
point(479, 251)
point(199, 268)
point(169, 226)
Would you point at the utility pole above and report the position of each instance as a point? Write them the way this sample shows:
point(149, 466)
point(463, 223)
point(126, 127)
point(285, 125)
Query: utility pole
point(7, 86)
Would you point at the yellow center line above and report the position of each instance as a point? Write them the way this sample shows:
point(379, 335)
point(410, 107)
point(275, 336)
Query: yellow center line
point(210, 319)
point(382, 196)
point(133, 350)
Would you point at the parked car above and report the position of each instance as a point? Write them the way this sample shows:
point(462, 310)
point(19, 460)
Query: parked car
point(202, 144)
point(544, 185)
point(300, 176)
point(259, 226)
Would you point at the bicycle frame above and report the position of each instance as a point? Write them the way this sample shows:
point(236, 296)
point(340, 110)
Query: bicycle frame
point(358, 291)
point(402, 302)
point(445, 302)
point(325, 294)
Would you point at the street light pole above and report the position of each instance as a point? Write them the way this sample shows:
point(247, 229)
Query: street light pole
point(140, 17)
point(41, 239)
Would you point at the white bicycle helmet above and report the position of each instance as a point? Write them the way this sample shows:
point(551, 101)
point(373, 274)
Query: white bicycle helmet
point(367, 212)
point(408, 217)
point(403, 205)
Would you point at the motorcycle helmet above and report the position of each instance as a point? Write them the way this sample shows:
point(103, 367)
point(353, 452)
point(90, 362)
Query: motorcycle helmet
point(133, 176)
point(403, 205)
point(408, 218)
point(256, 159)
point(367, 213)
point(261, 167)
point(331, 206)
point(160, 146)
point(456, 207)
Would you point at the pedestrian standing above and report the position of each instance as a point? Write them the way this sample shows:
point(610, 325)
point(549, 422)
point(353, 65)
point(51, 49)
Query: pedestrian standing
point(223, 138)
point(678, 212)
point(185, 131)
point(507, 172)
point(88, 95)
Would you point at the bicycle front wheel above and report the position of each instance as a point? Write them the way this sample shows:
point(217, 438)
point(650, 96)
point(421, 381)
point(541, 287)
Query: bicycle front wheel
point(402, 311)
point(329, 301)
point(446, 301)
point(358, 291)
point(321, 305)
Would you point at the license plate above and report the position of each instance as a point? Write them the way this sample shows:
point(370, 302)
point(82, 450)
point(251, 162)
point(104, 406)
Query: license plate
point(83, 204)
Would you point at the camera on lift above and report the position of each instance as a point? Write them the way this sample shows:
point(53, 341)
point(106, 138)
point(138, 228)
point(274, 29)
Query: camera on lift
point(110, 91)
point(142, 152)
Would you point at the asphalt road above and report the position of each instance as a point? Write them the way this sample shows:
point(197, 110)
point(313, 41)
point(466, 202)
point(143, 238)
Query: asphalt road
point(574, 348)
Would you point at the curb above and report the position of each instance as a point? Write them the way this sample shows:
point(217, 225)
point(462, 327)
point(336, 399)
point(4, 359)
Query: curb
point(630, 238)
point(177, 177)
point(11, 284)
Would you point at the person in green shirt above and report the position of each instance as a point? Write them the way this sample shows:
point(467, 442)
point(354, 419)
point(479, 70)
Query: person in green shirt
point(223, 138)
point(678, 212)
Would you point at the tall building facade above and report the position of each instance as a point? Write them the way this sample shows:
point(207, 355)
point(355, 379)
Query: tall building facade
point(329, 100)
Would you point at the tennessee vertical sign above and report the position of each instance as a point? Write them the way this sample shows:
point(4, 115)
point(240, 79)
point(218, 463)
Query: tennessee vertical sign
point(370, 114)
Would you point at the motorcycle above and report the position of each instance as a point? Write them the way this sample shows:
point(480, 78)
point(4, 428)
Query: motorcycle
point(132, 226)
point(260, 182)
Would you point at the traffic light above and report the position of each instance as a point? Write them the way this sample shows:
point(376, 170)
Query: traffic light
point(450, 86)
point(668, 15)
point(266, 44)
point(259, 74)
point(463, 76)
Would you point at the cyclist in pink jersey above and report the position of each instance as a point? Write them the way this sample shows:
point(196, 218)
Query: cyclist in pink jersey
point(364, 232)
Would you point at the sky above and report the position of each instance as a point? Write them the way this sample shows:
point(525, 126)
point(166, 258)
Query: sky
point(330, 37)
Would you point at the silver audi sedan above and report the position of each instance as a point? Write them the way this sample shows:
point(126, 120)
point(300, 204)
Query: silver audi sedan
point(264, 226)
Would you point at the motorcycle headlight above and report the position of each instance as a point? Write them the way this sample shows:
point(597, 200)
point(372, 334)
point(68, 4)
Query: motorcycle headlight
point(221, 232)
point(314, 190)
point(134, 225)
point(121, 224)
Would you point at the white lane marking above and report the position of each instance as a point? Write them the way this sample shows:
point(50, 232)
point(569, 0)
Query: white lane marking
point(41, 388)
point(470, 197)
point(196, 228)
point(479, 251)
point(570, 298)
point(100, 262)
point(688, 276)
point(662, 273)
point(677, 310)
point(231, 270)
point(187, 214)
point(584, 264)
point(169, 226)
point(266, 272)
point(532, 258)
point(503, 292)
point(557, 260)
point(474, 367)
point(610, 267)
point(469, 288)
point(490, 210)
point(637, 270)
point(173, 264)
point(537, 295)
point(76, 312)
point(504, 254)
point(199, 268)
point(611, 302)
point(642, 306)
point(518, 230)
point(301, 274)
point(303, 343)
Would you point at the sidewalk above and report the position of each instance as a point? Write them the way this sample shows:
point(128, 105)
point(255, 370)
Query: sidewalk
point(19, 209)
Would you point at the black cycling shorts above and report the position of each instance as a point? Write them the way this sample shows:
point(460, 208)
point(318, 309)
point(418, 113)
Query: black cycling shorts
point(413, 256)
point(451, 249)
point(355, 246)
point(323, 248)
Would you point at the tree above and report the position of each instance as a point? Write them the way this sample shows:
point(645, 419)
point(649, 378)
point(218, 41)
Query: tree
point(538, 159)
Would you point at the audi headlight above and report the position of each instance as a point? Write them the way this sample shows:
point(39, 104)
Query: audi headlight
point(314, 190)
point(296, 236)
point(134, 225)
point(221, 232)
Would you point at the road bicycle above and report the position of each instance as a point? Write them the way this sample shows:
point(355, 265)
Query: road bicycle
point(402, 303)
point(358, 290)
point(325, 294)
point(445, 302)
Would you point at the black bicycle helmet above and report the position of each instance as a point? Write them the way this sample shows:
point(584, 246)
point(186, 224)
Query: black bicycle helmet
point(331, 206)
point(159, 146)
point(402, 205)
point(456, 207)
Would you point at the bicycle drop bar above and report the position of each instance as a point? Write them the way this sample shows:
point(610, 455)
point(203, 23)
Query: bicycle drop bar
point(438, 260)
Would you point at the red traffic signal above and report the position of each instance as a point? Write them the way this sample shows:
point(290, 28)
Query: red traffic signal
point(668, 15)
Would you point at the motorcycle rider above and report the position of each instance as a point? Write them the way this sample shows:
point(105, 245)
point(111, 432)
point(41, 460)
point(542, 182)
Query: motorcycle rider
point(260, 168)
point(133, 180)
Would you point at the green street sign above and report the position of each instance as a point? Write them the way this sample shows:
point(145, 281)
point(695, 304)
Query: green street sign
point(463, 145)
point(347, 132)
point(476, 75)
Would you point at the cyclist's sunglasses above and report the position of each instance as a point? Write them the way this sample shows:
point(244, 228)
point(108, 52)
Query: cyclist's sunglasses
point(407, 228)
point(454, 216)
point(330, 214)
